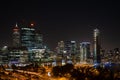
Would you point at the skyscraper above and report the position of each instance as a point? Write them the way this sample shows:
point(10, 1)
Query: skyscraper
point(28, 37)
point(28, 40)
point(38, 40)
point(84, 51)
point(60, 52)
point(73, 47)
point(16, 36)
point(68, 47)
point(33, 40)
point(60, 47)
point(96, 53)
point(27, 44)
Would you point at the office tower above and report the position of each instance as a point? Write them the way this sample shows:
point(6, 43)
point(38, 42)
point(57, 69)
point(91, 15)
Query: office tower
point(38, 55)
point(73, 47)
point(84, 52)
point(28, 37)
point(18, 55)
point(33, 40)
point(67, 50)
point(70, 47)
point(70, 50)
point(96, 53)
point(4, 55)
point(60, 53)
point(73, 51)
point(38, 40)
point(16, 36)
point(60, 47)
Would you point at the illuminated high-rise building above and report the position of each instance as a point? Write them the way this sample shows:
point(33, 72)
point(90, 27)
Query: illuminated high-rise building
point(73, 47)
point(84, 51)
point(18, 55)
point(28, 37)
point(28, 40)
point(73, 51)
point(70, 50)
point(70, 47)
point(33, 40)
point(16, 36)
point(96, 53)
point(60, 47)
point(38, 40)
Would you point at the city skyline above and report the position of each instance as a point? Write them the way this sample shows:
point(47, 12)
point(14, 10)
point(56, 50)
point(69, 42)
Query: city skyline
point(64, 21)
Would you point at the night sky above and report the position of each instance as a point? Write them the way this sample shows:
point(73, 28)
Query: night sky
point(63, 20)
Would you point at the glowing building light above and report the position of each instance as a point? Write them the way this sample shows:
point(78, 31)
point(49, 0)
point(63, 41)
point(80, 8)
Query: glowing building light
point(32, 24)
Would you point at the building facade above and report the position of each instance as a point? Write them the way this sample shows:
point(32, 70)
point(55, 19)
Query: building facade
point(28, 37)
point(16, 36)
point(18, 55)
point(97, 47)
point(84, 52)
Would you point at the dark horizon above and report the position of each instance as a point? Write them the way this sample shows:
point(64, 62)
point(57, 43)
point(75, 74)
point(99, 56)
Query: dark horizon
point(64, 21)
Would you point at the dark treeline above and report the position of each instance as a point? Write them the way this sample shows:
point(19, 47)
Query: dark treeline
point(84, 73)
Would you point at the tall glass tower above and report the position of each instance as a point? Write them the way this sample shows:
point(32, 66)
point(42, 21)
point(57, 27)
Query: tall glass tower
point(84, 51)
point(16, 36)
point(38, 40)
point(28, 37)
point(96, 53)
